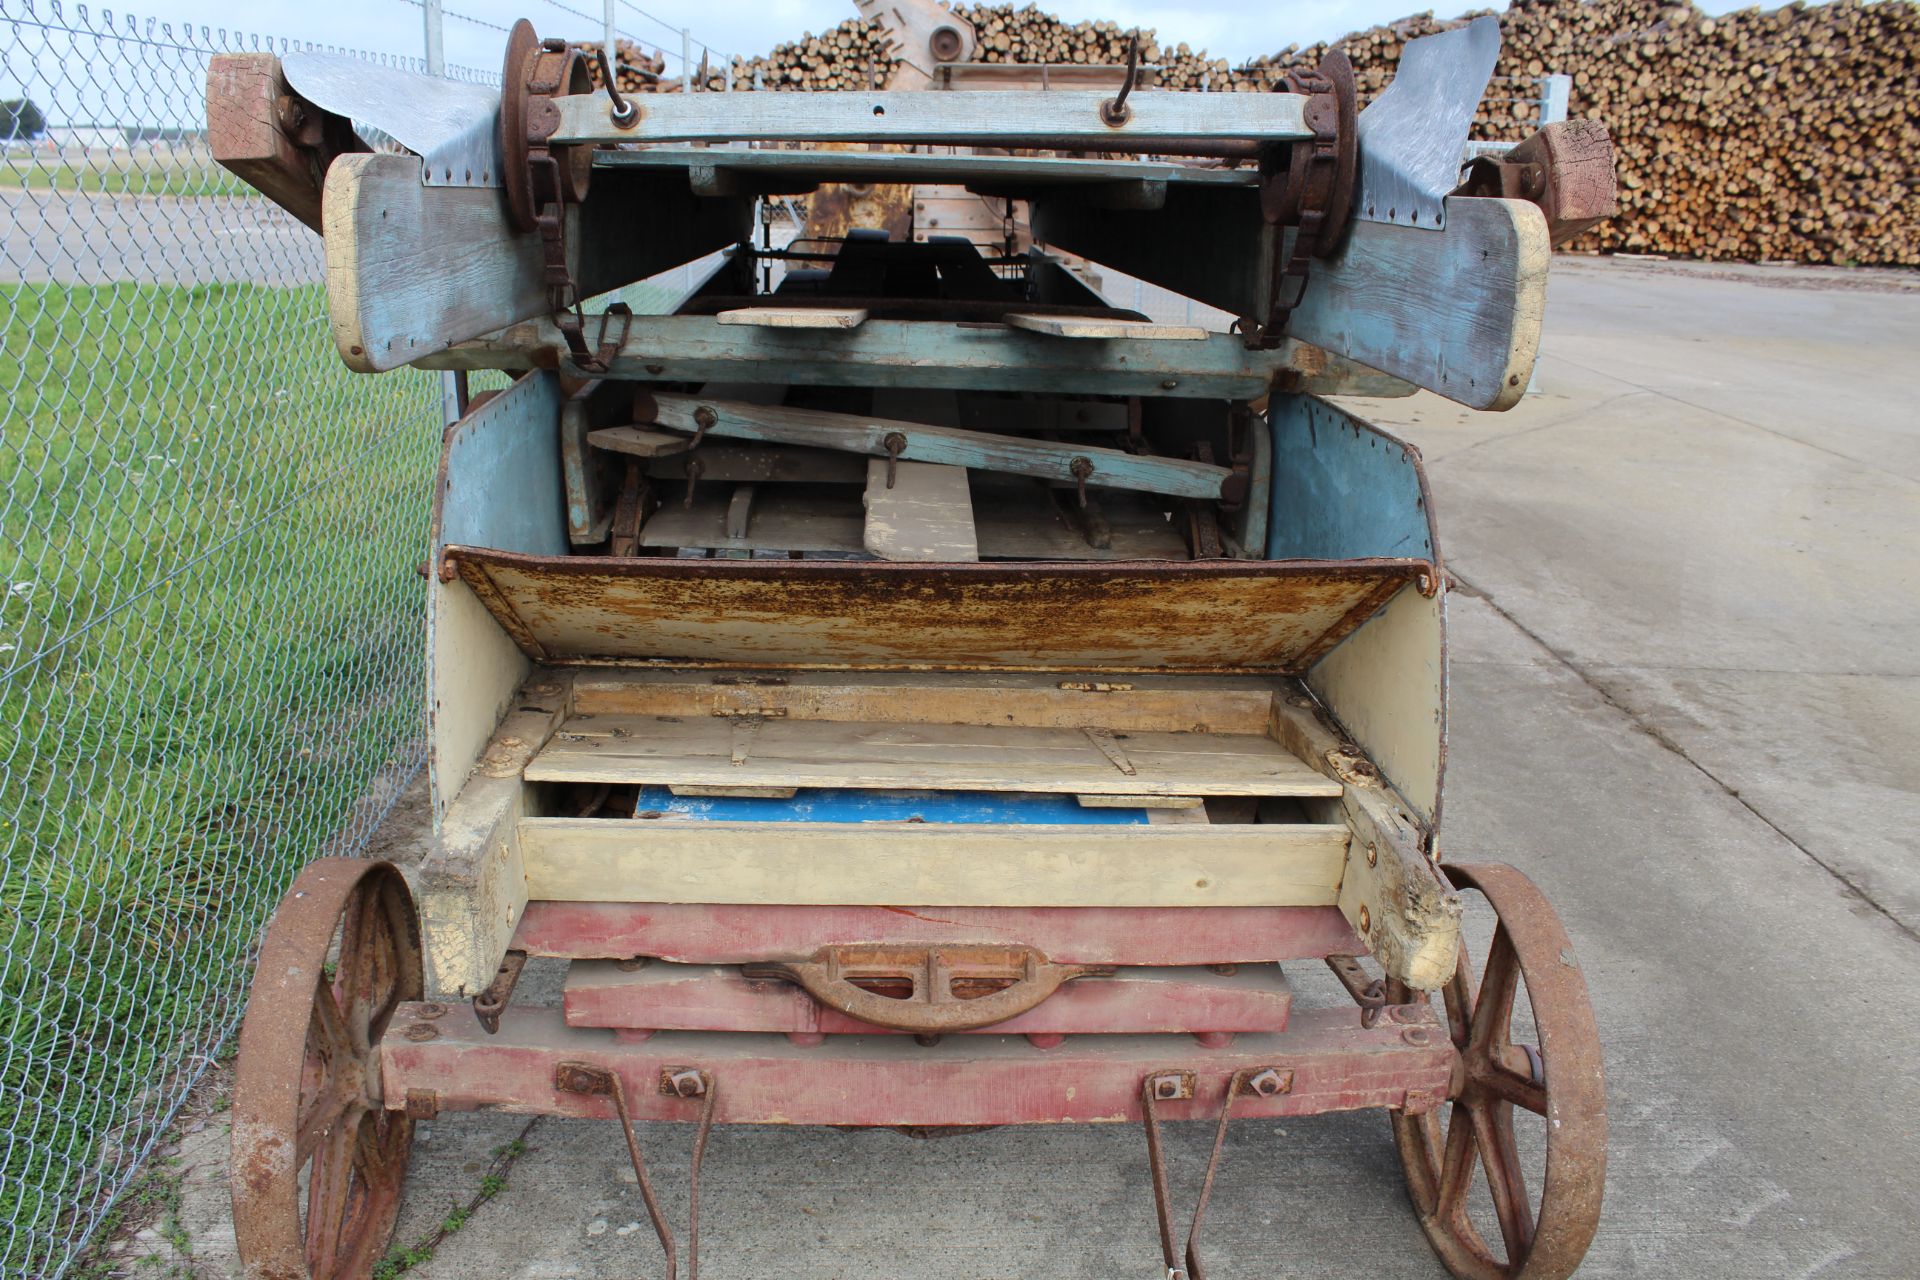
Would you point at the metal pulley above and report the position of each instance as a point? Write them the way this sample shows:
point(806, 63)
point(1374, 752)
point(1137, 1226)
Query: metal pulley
point(534, 72)
point(1308, 186)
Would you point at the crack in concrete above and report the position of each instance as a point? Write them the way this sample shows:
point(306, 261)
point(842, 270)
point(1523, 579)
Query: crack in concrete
point(1639, 722)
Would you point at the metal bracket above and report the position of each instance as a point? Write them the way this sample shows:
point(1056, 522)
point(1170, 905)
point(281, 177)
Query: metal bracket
point(491, 1003)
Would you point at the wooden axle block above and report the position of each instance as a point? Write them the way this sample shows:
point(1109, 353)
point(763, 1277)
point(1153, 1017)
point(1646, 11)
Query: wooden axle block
point(1330, 1062)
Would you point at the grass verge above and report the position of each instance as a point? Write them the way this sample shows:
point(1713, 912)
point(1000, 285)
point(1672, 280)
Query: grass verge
point(209, 647)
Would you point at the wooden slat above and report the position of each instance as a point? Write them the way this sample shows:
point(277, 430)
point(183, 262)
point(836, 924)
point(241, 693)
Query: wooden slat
point(829, 864)
point(908, 116)
point(956, 446)
point(795, 317)
point(919, 511)
point(1176, 704)
point(1091, 327)
point(819, 753)
point(921, 353)
point(639, 441)
point(801, 520)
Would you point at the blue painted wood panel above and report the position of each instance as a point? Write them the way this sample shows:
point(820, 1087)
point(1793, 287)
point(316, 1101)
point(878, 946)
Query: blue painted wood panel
point(1343, 489)
point(834, 804)
point(500, 484)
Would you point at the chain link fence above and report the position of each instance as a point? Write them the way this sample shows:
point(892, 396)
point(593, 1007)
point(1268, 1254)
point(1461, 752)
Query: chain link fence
point(210, 616)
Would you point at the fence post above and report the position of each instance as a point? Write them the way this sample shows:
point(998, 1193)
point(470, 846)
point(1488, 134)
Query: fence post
point(436, 46)
point(1556, 91)
point(610, 39)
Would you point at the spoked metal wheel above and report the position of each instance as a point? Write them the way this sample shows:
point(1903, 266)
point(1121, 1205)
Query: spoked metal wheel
point(1543, 1235)
point(318, 1163)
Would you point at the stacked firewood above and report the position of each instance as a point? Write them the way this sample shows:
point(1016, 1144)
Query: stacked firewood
point(635, 70)
point(1791, 134)
point(1785, 134)
point(852, 55)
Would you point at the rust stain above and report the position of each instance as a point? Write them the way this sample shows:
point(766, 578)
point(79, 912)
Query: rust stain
point(1270, 616)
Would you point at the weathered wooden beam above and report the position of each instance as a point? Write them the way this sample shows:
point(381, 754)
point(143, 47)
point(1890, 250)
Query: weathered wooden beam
point(1163, 122)
point(952, 446)
point(932, 354)
point(268, 136)
point(926, 864)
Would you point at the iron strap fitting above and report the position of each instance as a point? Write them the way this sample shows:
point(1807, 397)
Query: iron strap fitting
point(545, 181)
point(679, 1082)
point(1173, 1086)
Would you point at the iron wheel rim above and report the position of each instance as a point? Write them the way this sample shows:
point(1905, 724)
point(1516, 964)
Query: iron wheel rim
point(1542, 1237)
point(306, 1093)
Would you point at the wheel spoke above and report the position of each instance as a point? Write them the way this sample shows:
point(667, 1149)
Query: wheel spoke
point(329, 1202)
point(317, 1120)
point(1493, 1134)
point(1456, 1168)
point(370, 1154)
point(1493, 1005)
point(336, 1041)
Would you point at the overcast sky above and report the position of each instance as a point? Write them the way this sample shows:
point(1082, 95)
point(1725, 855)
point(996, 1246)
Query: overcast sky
point(1234, 29)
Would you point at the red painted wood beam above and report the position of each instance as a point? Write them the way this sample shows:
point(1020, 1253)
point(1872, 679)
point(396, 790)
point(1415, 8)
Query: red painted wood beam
point(437, 1056)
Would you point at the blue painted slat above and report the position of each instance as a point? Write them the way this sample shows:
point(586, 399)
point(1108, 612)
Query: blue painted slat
point(833, 804)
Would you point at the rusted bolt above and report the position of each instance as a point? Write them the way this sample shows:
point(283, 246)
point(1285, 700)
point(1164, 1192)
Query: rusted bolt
point(421, 1032)
point(704, 417)
point(1416, 1036)
point(422, 1104)
point(685, 1082)
point(432, 1009)
point(1366, 920)
point(1373, 854)
point(1406, 1013)
point(1171, 1086)
point(1271, 1081)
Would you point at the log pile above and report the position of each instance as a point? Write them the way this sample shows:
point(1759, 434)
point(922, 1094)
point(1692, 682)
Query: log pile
point(634, 69)
point(852, 55)
point(1790, 134)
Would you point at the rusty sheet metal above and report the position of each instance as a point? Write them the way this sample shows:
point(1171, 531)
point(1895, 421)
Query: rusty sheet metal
point(701, 933)
point(1246, 616)
point(836, 209)
point(1337, 1065)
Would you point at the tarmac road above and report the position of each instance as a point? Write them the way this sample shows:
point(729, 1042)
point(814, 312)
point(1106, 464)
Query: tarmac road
point(1686, 700)
point(63, 239)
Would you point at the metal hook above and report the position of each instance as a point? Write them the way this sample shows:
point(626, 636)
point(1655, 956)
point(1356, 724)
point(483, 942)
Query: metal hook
point(1114, 111)
point(894, 443)
point(625, 114)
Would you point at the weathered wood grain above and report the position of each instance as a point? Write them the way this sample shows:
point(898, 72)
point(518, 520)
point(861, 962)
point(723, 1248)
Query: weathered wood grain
point(828, 864)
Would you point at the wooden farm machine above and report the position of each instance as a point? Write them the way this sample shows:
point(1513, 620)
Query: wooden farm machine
point(905, 687)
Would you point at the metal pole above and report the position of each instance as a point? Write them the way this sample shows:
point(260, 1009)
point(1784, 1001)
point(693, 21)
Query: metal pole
point(436, 46)
point(610, 39)
point(686, 61)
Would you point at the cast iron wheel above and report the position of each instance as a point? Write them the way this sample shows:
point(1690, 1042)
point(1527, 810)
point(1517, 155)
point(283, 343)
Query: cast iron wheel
point(306, 1092)
point(1561, 1080)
